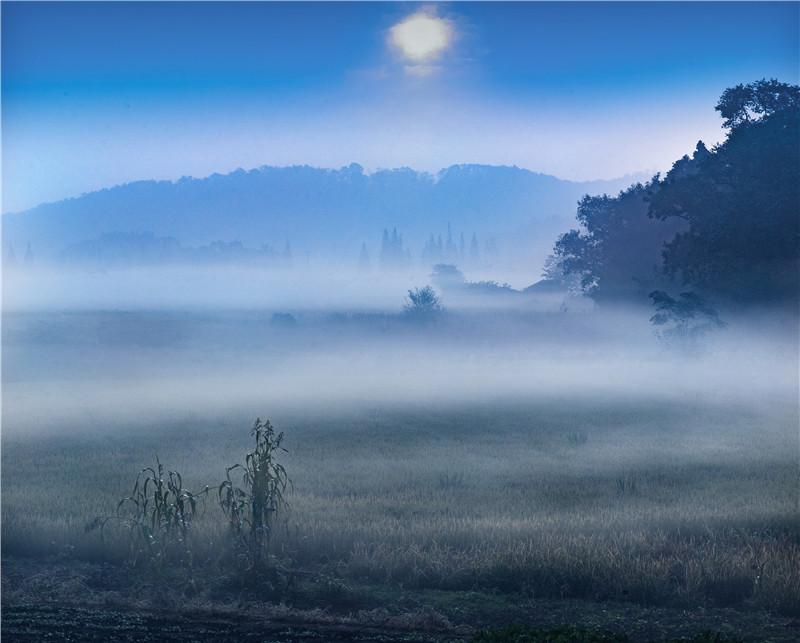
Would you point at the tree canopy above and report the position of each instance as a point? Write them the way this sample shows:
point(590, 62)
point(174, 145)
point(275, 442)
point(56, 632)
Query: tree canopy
point(724, 221)
point(741, 202)
point(617, 253)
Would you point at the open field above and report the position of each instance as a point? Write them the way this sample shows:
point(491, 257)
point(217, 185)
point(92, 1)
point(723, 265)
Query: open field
point(555, 499)
point(559, 499)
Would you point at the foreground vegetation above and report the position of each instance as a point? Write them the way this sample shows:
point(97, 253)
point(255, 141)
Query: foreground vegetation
point(648, 502)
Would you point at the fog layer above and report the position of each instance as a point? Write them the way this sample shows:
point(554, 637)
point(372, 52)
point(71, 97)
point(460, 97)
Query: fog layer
point(92, 351)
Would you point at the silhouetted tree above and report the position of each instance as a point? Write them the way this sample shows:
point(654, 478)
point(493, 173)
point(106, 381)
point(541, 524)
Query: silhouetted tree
point(743, 104)
point(393, 254)
point(617, 254)
point(727, 220)
point(557, 278)
point(740, 202)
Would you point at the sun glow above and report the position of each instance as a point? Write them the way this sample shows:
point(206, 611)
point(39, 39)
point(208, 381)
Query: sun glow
point(421, 37)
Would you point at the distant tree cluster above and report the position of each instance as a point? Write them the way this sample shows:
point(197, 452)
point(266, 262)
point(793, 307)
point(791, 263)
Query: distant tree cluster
point(725, 221)
point(435, 251)
point(394, 254)
point(145, 249)
point(448, 277)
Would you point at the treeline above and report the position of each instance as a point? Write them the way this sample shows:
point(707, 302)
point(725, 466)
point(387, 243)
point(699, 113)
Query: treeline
point(127, 250)
point(395, 254)
point(723, 223)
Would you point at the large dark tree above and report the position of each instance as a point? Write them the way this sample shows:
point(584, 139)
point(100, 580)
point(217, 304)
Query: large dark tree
point(741, 202)
point(617, 253)
point(725, 222)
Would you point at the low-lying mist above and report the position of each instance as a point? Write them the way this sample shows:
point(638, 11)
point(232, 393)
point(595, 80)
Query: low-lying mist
point(514, 441)
point(143, 347)
point(316, 287)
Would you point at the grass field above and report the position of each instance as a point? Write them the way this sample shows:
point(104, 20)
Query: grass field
point(535, 468)
point(641, 501)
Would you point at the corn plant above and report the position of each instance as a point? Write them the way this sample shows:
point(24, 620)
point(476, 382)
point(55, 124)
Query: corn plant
point(158, 516)
point(252, 507)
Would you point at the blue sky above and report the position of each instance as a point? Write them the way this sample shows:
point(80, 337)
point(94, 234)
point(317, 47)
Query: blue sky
point(96, 94)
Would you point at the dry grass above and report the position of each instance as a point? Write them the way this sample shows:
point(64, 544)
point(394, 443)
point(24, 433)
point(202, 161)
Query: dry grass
point(661, 504)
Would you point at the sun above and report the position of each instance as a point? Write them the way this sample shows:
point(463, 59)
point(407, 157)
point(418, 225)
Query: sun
point(421, 37)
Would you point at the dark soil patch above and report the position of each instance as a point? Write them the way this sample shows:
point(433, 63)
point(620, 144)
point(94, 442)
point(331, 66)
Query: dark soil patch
point(75, 601)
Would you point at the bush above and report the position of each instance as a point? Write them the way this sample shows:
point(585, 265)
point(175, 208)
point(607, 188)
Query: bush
point(423, 303)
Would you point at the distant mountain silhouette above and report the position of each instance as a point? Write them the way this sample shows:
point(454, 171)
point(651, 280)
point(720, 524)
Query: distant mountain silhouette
point(323, 211)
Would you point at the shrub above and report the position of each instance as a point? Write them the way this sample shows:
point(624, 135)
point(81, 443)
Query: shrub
point(423, 303)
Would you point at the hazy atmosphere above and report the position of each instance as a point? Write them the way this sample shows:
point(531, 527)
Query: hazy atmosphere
point(401, 322)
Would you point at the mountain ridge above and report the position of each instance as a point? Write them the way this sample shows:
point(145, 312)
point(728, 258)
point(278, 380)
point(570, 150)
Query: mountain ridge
point(321, 210)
